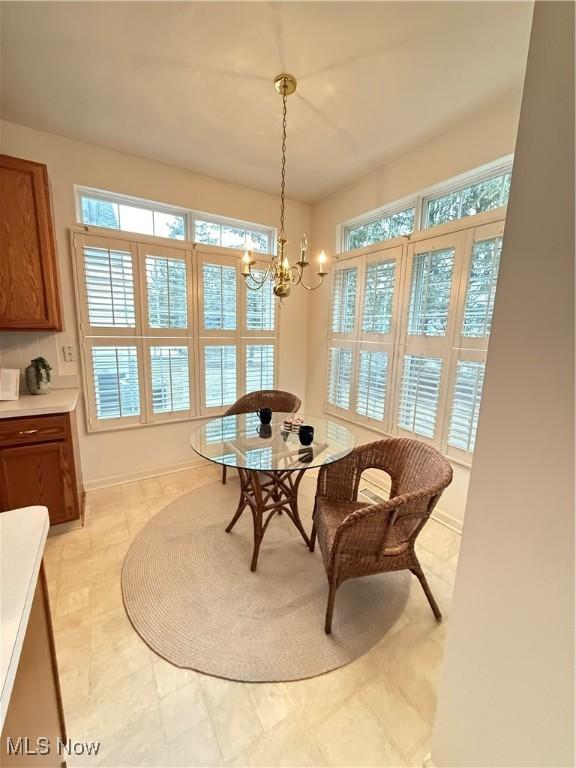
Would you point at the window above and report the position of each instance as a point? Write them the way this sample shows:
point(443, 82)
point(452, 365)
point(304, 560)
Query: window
point(419, 395)
point(484, 189)
point(408, 332)
point(340, 377)
point(259, 367)
point(220, 375)
point(166, 292)
point(384, 228)
point(168, 333)
point(344, 300)
point(482, 288)
point(116, 381)
point(219, 292)
point(230, 236)
point(430, 293)
point(378, 297)
point(469, 200)
point(112, 213)
point(372, 379)
point(170, 379)
point(466, 404)
point(99, 208)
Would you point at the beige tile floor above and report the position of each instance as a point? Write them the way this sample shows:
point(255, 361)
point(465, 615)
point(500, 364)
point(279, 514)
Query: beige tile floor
point(377, 711)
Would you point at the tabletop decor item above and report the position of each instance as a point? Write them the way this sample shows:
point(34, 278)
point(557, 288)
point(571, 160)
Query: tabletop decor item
point(292, 423)
point(265, 415)
point(9, 383)
point(38, 379)
point(306, 434)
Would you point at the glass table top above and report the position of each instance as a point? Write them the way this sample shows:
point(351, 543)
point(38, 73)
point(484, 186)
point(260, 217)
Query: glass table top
point(241, 441)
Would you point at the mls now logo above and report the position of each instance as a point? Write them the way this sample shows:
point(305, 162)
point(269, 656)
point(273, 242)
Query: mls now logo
point(42, 746)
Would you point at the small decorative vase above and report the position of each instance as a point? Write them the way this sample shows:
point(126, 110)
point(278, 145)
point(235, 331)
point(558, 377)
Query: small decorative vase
point(37, 385)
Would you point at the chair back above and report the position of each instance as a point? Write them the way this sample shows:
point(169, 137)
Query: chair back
point(275, 399)
point(418, 473)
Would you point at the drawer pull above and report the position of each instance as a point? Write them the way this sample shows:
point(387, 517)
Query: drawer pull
point(27, 431)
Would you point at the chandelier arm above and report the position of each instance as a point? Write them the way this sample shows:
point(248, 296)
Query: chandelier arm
point(312, 287)
point(259, 283)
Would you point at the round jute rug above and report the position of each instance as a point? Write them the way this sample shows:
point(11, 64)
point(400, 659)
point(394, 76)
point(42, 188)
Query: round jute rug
point(189, 593)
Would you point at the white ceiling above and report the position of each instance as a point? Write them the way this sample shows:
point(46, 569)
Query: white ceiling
point(190, 83)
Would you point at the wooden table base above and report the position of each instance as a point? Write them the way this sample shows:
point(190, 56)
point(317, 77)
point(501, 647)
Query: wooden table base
point(268, 493)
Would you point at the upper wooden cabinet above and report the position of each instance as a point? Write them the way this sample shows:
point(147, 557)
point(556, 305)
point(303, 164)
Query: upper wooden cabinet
point(29, 291)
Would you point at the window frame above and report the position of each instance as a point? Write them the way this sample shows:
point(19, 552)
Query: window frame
point(461, 234)
point(143, 337)
point(420, 202)
point(190, 216)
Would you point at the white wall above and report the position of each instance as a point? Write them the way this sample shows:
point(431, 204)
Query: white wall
point(112, 454)
point(481, 139)
point(507, 692)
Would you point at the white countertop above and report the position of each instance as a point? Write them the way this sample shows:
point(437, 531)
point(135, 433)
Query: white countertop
point(56, 401)
point(22, 538)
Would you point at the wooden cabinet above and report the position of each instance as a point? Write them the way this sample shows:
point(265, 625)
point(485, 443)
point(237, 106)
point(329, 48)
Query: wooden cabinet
point(39, 465)
point(29, 291)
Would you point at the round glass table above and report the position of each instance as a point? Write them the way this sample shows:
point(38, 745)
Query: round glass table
point(270, 461)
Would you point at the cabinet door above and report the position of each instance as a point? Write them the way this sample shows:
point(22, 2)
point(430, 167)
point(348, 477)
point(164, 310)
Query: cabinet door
point(39, 474)
point(29, 294)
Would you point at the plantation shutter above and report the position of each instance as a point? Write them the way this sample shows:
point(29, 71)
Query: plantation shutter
point(166, 292)
point(339, 377)
point(259, 367)
point(430, 292)
point(219, 375)
point(379, 286)
point(170, 378)
point(466, 398)
point(419, 395)
point(481, 289)
point(372, 380)
point(109, 285)
point(116, 381)
point(219, 297)
point(260, 305)
point(344, 291)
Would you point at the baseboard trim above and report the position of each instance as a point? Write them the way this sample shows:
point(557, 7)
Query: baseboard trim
point(131, 477)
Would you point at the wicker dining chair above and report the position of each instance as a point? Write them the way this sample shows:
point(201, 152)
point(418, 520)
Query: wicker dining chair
point(275, 399)
point(359, 539)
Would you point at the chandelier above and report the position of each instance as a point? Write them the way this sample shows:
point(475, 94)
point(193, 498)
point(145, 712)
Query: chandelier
point(282, 274)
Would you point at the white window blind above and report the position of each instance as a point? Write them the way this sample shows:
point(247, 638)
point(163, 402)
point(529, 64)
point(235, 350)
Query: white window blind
point(259, 367)
point(466, 400)
point(116, 381)
point(482, 288)
point(166, 290)
point(109, 285)
point(379, 297)
point(219, 296)
point(430, 292)
point(419, 395)
point(372, 378)
point(260, 305)
point(219, 375)
point(340, 377)
point(170, 378)
point(345, 283)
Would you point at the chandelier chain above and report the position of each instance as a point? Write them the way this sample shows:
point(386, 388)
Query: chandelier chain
point(283, 181)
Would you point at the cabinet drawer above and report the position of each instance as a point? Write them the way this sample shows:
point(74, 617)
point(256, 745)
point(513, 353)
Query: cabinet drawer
point(36, 429)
